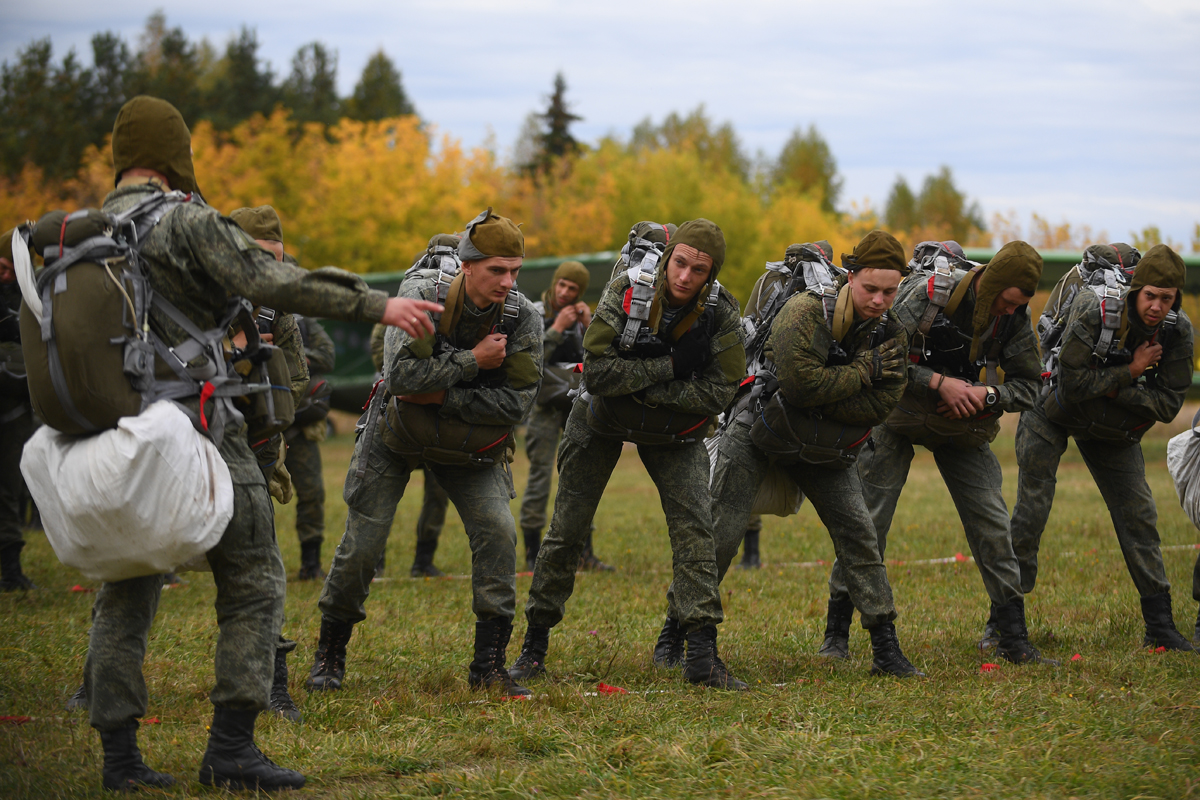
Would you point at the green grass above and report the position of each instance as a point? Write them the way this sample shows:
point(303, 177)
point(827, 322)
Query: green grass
point(1118, 722)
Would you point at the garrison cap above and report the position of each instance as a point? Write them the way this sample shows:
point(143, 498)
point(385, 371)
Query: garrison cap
point(490, 235)
point(877, 250)
point(261, 223)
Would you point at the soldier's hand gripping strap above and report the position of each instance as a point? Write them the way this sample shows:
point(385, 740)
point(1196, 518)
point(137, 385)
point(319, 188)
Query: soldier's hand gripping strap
point(641, 279)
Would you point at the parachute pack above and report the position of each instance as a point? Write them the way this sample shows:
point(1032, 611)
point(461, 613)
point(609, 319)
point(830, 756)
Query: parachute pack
point(785, 433)
point(91, 349)
point(1102, 272)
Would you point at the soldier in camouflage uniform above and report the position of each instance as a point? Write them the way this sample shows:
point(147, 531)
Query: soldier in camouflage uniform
point(565, 318)
point(683, 373)
point(847, 378)
point(1108, 404)
point(474, 381)
point(947, 409)
point(196, 258)
point(16, 424)
point(304, 456)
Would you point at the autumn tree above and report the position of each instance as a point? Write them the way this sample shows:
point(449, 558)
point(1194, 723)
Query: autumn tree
point(717, 145)
point(807, 162)
point(901, 208)
point(940, 211)
point(378, 93)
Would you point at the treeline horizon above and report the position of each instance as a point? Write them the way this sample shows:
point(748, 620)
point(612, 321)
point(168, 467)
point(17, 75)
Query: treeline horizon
point(362, 182)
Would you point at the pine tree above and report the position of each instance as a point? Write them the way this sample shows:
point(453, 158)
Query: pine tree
point(807, 162)
point(900, 213)
point(311, 90)
point(244, 87)
point(379, 93)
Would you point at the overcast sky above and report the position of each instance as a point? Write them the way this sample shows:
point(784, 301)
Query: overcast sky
point(1086, 111)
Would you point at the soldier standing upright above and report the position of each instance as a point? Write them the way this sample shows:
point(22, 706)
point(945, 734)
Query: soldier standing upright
point(1120, 370)
point(195, 258)
point(963, 322)
point(450, 402)
point(662, 358)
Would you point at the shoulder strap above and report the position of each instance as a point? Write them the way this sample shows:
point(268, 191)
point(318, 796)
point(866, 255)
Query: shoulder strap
point(641, 279)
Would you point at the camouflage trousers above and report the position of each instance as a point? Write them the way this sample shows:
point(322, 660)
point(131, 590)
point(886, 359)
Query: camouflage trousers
point(974, 479)
point(836, 496)
point(432, 518)
point(481, 497)
point(1120, 475)
point(16, 426)
point(680, 472)
point(251, 582)
point(308, 482)
point(541, 443)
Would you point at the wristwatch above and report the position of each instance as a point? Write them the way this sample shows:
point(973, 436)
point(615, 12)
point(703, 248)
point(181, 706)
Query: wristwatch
point(992, 396)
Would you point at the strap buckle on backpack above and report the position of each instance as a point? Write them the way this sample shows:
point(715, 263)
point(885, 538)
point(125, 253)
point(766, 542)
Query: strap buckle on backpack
point(641, 277)
point(1112, 305)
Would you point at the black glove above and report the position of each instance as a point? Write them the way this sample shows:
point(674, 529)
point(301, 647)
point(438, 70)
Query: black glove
point(886, 361)
point(690, 353)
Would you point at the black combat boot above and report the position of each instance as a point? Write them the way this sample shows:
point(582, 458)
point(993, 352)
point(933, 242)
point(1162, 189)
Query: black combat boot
point(233, 761)
point(78, 701)
point(124, 770)
point(671, 645)
point(281, 700)
point(310, 561)
point(329, 666)
point(588, 562)
point(889, 659)
point(991, 630)
point(704, 666)
point(1013, 644)
point(532, 661)
point(533, 543)
point(1160, 624)
point(750, 559)
point(487, 668)
point(1196, 638)
point(422, 566)
point(11, 577)
point(837, 629)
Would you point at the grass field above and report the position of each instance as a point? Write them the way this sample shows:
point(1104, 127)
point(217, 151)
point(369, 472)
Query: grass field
point(1118, 721)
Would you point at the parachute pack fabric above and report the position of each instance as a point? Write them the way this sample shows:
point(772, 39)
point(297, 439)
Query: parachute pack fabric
point(1183, 462)
point(135, 500)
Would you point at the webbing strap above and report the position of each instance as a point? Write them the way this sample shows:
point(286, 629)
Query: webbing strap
point(960, 291)
point(1112, 306)
point(641, 279)
point(59, 381)
point(15, 414)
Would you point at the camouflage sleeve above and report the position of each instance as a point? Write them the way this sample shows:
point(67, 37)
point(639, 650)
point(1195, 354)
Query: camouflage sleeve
point(1162, 394)
point(320, 351)
point(799, 343)
point(377, 334)
point(509, 403)
point(605, 372)
point(711, 391)
point(287, 339)
point(551, 339)
point(236, 262)
point(409, 365)
point(1078, 379)
point(874, 403)
point(1022, 365)
point(910, 305)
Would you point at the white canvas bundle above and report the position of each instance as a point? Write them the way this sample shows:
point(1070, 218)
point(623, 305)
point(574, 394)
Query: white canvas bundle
point(137, 500)
point(1183, 462)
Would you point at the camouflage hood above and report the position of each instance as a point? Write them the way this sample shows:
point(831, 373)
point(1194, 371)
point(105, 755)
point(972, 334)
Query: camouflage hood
point(151, 134)
point(1016, 264)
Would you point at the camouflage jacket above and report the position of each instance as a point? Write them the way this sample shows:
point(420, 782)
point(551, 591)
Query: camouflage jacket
point(1160, 392)
point(799, 345)
point(318, 347)
point(560, 348)
point(196, 258)
point(499, 397)
point(607, 373)
point(1019, 357)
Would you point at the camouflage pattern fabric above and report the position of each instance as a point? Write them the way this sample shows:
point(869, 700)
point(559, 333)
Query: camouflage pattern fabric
point(541, 442)
point(680, 472)
point(196, 258)
point(972, 475)
point(432, 517)
point(481, 498)
point(250, 583)
point(1120, 475)
point(14, 433)
point(799, 345)
point(480, 494)
point(1119, 471)
point(308, 482)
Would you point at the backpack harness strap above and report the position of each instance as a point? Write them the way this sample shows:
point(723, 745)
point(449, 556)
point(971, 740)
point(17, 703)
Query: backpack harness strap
point(944, 295)
point(1112, 306)
point(641, 279)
